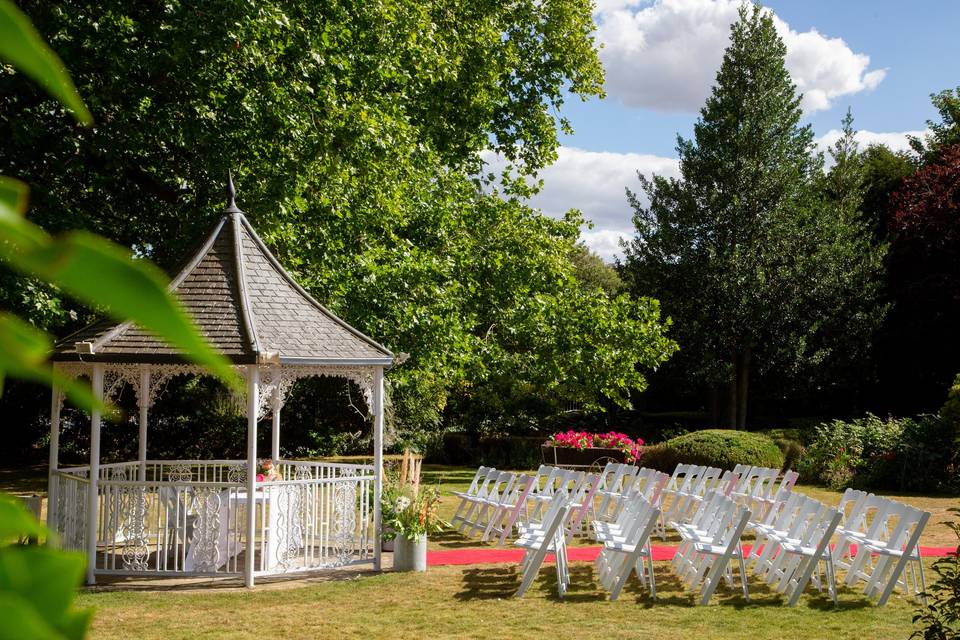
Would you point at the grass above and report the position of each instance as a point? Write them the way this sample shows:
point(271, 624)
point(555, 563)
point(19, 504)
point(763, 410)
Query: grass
point(477, 601)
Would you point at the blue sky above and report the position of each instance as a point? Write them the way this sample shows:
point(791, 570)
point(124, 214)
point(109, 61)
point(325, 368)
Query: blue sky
point(880, 58)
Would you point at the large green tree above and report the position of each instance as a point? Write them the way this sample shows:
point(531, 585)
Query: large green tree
point(758, 269)
point(355, 131)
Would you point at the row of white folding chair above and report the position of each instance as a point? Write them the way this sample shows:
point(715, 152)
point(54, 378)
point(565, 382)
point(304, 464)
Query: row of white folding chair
point(710, 541)
point(792, 542)
point(477, 484)
point(495, 490)
point(768, 496)
point(755, 483)
point(680, 503)
point(626, 545)
point(615, 479)
point(886, 534)
point(579, 486)
point(537, 539)
point(648, 483)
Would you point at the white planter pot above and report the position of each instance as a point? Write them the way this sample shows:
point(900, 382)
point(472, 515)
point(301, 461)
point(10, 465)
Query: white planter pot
point(410, 555)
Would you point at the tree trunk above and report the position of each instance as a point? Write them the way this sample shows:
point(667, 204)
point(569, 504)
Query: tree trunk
point(743, 384)
point(714, 406)
point(732, 395)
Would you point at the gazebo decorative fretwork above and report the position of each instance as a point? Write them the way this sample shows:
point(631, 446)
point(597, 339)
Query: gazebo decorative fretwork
point(192, 517)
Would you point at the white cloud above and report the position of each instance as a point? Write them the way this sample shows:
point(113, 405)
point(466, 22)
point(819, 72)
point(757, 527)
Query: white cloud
point(594, 182)
point(896, 140)
point(606, 242)
point(665, 54)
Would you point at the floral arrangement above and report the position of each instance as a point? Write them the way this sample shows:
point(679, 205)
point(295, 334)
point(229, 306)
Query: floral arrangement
point(581, 440)
point(410, 515)
point(407, 509)
point(267, 471)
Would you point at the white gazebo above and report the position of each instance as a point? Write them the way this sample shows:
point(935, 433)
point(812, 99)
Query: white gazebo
point(213, 517)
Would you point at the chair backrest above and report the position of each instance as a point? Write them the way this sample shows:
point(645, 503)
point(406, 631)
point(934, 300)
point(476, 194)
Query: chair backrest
point(478, 477)
point(643, 518)
point(726, 483)
point(764, 485)
point(653, 490)
point(747, 474)
point(907, 520)
point(705, 480)
point(786, 485)
point(501, 485)
point(853, 509)
point(726, 521)
point(485, 482)
point(679, 474)
point(518, 491)
point(780, 517)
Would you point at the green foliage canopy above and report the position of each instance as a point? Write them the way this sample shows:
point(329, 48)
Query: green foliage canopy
point(355, 131)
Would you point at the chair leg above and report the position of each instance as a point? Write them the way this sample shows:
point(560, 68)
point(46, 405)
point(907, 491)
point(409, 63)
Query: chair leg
point(653, 580)
point(743, 574)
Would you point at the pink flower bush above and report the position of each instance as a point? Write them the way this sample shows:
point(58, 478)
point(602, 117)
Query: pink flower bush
point(581, 440)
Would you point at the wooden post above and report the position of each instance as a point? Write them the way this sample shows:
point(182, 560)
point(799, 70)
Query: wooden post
point(53, 483)
point(275, 425)
point(93, 489)
point(144, 400)
point(377, 463)
point(253, 402)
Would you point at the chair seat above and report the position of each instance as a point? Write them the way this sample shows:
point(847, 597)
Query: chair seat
point(884, 550)
point(799, 549)
point(714, 549)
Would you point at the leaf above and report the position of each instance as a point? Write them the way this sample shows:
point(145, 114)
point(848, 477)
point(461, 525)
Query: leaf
point(16, 521)
point(45, 581)
point(22, 46)
point(100, 273)
point(23, 353)
point(20, 620)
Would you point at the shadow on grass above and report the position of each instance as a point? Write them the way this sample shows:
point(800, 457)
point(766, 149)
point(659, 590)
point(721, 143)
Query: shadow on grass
point(502, 582)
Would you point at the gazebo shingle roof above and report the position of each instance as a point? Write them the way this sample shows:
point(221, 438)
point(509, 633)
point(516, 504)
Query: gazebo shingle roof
point(244, 303)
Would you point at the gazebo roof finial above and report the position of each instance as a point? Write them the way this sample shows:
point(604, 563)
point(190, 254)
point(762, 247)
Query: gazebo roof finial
point(231, 195)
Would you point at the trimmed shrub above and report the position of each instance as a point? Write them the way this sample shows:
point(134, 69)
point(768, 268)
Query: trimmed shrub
point(792, 452)
point(715, 448)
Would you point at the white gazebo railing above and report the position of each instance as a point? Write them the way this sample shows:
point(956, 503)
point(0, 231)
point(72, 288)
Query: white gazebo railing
point(189, 517)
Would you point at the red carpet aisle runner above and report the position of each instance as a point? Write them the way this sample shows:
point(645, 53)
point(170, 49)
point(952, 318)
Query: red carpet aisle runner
point(579, 554)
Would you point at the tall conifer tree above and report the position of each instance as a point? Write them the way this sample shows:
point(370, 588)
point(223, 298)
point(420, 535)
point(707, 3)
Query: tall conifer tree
point(742, 249)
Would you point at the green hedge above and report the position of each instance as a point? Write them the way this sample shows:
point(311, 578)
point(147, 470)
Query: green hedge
point(715, 448)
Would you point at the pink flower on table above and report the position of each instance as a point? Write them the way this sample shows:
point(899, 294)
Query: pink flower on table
point(260, 477)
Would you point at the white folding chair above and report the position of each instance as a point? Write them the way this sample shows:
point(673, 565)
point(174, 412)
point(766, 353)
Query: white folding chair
point(477, 487)
point(497, 491)
point(854, 508)
point(539, 540)
point(798, 554)
point(509, 510)
point(622, 554)
point(710, 543)
point(893, 553)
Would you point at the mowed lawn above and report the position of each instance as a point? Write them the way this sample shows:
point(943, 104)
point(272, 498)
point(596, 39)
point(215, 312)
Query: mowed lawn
point(477, 601)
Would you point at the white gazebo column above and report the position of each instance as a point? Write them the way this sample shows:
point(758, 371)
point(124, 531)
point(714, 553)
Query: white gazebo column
point(52, 481)
point(93, 489)
point(377, 463)
point(144, 400)
point(275, 415)
point(253, 402)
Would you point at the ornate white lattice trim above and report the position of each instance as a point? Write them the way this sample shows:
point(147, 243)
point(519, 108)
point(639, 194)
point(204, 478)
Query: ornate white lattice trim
point(273, 379)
